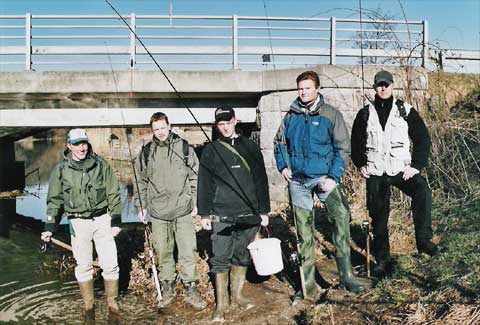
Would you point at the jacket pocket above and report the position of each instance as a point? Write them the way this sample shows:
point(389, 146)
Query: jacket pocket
point(97, 195)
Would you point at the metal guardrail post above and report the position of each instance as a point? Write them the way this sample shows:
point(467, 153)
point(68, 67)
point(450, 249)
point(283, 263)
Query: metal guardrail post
point(28, 41)
point(235, 41)
point(133, 41)
point(425, 51)
point(333, 34)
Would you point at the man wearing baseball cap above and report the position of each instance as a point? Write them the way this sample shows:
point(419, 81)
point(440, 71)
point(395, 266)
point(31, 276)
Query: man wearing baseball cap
point(84, 187)
point(233, 199)
point(382, 134)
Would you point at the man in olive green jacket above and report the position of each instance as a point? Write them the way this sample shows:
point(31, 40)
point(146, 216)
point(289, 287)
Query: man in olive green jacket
point(84, 187)
point(167, 182)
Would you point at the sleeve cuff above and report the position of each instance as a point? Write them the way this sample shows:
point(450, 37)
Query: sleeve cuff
point(50, 227)
point(116, 220)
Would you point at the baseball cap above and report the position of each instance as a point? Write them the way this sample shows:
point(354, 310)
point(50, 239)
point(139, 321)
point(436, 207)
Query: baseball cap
point(383, 77)
point(224, 114)
point(77, 135)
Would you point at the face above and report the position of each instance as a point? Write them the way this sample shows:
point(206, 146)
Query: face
point(307, 91)
point(161, 130)
point(384, 90)
point(227, 128)
point(79, 150)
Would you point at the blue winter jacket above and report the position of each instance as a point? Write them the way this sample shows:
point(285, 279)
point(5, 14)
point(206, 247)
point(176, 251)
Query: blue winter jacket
point(312, 143)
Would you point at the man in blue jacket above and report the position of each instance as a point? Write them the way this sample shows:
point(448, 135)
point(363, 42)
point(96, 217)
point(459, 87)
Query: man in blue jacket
point(312, 147)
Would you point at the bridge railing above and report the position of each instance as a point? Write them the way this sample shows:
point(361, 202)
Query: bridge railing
point(92, 42)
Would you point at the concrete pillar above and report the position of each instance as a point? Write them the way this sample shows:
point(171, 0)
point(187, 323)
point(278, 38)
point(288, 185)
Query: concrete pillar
point(272, 107)
point(11, 178)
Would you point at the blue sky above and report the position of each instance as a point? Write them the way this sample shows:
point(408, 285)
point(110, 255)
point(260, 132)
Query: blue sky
point(453, 24)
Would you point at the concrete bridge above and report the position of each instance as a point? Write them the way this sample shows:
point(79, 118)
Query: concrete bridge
point(32, 101)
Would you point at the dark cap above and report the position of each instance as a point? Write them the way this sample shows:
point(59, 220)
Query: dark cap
point(383, 77)
point(224, 114)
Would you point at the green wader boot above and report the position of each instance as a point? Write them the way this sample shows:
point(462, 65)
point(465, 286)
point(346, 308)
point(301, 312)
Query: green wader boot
point(306, 232)
point(111, 289)
point(339, 215)
point(237, 280)
point(86, 290)
point(221, 288)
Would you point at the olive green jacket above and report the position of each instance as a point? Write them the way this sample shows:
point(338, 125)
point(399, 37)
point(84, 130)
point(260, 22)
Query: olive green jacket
point(82, 190)
point(167, 184)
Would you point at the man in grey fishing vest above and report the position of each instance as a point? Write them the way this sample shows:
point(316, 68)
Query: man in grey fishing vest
point(233, 198)
point(311, 149)
point(167, 168)
point(382, 135)
point(85, 187)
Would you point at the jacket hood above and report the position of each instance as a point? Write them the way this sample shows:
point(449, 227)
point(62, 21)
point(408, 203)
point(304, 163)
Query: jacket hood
point(297, 107)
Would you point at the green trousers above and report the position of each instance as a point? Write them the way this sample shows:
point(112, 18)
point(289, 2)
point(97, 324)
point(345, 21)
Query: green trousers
point(180, 232)
point(339, 216)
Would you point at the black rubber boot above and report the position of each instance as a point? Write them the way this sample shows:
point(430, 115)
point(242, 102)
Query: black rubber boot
point(426, 246)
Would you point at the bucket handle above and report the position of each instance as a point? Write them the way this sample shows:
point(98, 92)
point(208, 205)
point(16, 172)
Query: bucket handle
point(267, 230)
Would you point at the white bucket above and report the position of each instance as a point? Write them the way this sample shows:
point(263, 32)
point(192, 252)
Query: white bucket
point(267, 256)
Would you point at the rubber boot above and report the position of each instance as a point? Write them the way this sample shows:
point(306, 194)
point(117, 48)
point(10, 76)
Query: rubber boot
point(111, 290)
point(168, 294)
point(221, 284)
point(237, 280)
point(193, 298)
point(306, 234)
point(86, 290)
point(347, 280)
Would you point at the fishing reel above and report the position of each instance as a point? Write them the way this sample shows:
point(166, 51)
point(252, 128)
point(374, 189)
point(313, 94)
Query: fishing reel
point(365, 226)
point(295, 260)
point(44, 246)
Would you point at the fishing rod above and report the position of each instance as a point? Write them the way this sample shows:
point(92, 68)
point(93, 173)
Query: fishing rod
point(366, 222)
point(295, 257)
point(147, 231)
point(244, 197)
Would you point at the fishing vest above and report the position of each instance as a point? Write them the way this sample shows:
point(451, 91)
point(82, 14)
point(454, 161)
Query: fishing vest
point(388, 151)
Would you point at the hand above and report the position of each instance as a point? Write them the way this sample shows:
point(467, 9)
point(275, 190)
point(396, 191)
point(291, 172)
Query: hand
point(194, 211)
point(409, 172)
point(265, 220)
point(287, 174)
point(206, 224)
point(46, 235)
point(142, 214)
point(364, 172)
point(327, 184)
point(116, 231)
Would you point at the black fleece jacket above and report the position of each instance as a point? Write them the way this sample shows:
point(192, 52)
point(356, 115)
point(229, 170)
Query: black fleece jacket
point(417, 131)
point(225, 186)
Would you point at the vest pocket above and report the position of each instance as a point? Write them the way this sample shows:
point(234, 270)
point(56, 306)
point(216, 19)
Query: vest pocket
point(372, 140)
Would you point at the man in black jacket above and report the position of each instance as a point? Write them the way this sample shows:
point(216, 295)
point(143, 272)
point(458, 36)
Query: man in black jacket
point(233, 198)
point(382, 135)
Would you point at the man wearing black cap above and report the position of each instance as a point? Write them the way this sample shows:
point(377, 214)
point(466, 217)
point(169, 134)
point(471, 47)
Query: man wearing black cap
point(233, 198)
point(382, 135)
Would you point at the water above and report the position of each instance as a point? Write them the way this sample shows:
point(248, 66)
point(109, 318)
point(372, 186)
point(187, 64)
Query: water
point(30, 292)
